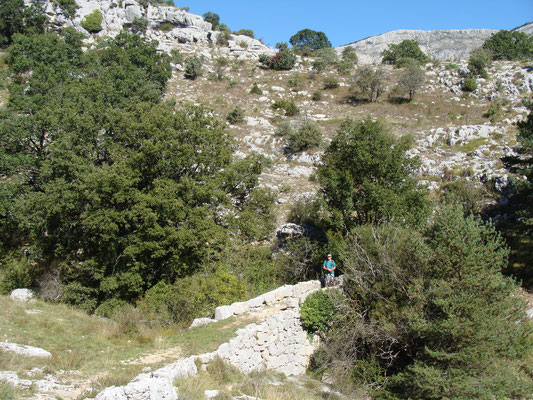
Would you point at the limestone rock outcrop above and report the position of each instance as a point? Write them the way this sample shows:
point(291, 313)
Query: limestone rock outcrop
point(438, 44)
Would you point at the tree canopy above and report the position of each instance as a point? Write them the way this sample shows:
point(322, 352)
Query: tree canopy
point(107, 185)
point(510, 45)
point(406, 49)
point(365, 177)
point(308, 40)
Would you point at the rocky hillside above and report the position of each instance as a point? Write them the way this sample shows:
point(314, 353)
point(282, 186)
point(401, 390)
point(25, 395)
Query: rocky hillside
point(166, 24)
point(439, 45)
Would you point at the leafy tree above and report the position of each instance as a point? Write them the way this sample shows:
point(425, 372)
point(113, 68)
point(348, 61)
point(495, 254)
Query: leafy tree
point(308, 41)
point(193, 67)
point(349, 54)
point(365, 177)
point(213, 19)
point(17, 17)
point(412, 79)
point(479, 61)
point(510, 45)
point(430, 315)
point(406, 49)
point(370, 81)
point(309, 135)
point(106, 184)
point(92, 22)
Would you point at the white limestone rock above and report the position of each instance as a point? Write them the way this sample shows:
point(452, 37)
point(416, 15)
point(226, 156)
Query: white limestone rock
point(24, 350)
point(201, 322)
point(22, 295)
point(11, 378)
point(223, 312)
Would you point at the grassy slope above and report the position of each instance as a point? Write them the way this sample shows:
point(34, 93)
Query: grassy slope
point(97, 352)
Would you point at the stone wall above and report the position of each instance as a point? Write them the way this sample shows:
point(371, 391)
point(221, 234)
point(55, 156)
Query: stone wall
point(278, 343)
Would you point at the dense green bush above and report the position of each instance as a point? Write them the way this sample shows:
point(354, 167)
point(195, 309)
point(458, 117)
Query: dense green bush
point(236, 115)
point(283, 60)
point(18, 17)
point(256, 89)
point(469, 85)
point(193, 67)
point(430, 315)
point(510, 45)
point(92, 22)
point(479, 61)
point(406, 49)
point(289, 106)
point(308, 136)
point(365, 177)
point(349, 54)
point(317, 312)
point(331, 83)
point(317, 96)
point(319, 64)
point(295, 81)
point(191, 297)
point(131, 191)
point(223, 38)
point(284, 129)
point(213, 19)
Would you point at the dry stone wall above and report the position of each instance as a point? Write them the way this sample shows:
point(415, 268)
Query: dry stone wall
point(278, 343)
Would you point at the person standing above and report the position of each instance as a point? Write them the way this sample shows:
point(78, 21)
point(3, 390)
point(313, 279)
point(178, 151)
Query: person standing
point(330, 267)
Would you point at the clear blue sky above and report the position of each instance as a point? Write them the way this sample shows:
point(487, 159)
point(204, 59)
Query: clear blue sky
point(347, 21)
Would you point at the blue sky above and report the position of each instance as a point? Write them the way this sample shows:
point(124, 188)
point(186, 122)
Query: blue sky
point(348, 21)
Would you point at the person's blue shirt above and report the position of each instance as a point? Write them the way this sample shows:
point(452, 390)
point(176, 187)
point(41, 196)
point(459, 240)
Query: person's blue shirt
point(329, 264)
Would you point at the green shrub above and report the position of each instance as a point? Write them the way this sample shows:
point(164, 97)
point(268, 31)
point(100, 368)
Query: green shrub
point(290, 108)
point(349, 54)
point(177, 56)
point(306, 137)
point(344, 67)
point(92, 22)
point(166, 27)
point(193, 67)
point(317, 96)
point(469, 85)
point(245, 32)
point(139, 25)
point(320, 64)
point(510, 45)
point(236, 116)
point(295, 81)
point(307, 41)
point(284, 129)
point(495, 112)
point(317, 312)
point(331, 83)
point(406, 62)
point(213, 19)
point(406, 49)
point(283, 60)
point(109, 307)
point(256, 89)
point(191, 297)
point(479, 61)
point(223, 38)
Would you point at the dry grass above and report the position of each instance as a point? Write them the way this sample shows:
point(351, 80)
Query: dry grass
point(264, 385)
point(96, 352)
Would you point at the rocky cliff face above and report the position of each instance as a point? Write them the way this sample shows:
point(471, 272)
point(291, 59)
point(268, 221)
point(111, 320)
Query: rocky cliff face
point(178, 25)
point(440, 45)
point(526, 28)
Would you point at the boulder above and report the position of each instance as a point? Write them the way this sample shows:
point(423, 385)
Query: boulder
point(24, 350)
point(201, 322)
point(22, 295)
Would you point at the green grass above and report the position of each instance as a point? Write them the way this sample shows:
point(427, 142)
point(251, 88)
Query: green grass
point(99, 350)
